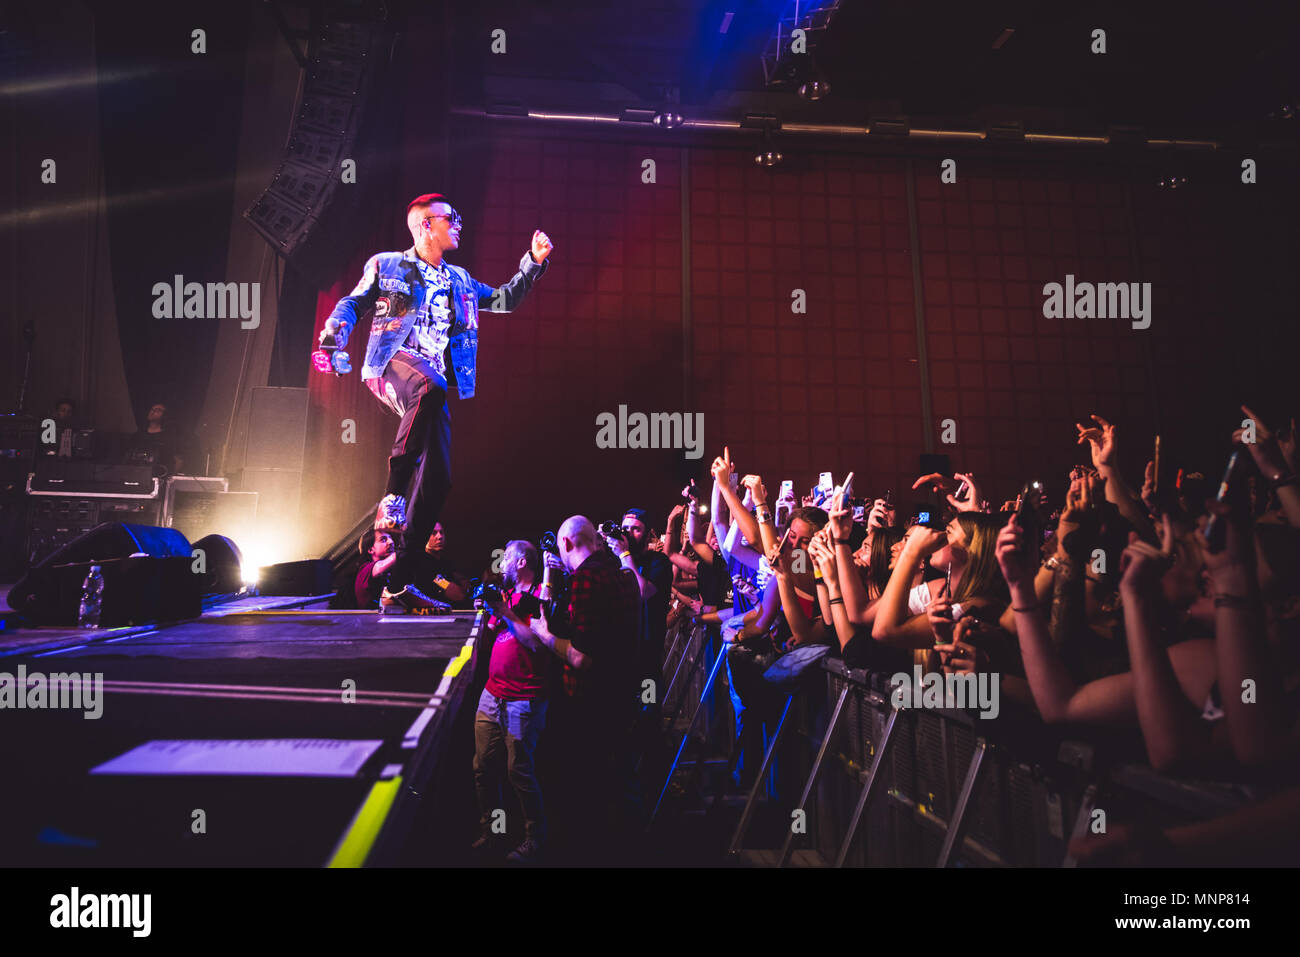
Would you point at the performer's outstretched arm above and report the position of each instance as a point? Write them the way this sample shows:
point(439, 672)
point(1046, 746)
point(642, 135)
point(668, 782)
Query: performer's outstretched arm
point(505, 298)
point(354, 305)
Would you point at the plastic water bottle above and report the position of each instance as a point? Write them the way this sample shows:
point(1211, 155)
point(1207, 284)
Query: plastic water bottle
point(92, 597)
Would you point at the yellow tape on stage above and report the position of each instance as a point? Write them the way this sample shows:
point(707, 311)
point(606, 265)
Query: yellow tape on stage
point(356, 844)
point(454, 666)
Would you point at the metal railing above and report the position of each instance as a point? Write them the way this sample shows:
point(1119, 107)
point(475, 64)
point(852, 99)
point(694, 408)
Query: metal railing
point(941, 787)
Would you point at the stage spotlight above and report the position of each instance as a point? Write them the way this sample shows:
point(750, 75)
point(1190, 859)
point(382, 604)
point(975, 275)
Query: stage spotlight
point(768, 155)
point(814, 89)
point(668, 120)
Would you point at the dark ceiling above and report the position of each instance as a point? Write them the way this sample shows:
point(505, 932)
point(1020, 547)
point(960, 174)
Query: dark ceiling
point(1173, 69)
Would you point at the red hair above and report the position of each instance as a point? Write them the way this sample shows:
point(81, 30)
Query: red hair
point(428, 199)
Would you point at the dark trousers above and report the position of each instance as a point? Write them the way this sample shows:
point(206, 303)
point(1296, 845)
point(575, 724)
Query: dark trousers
point(598, 804)
point(508, 729)
point(419, 466)
point(755, 708)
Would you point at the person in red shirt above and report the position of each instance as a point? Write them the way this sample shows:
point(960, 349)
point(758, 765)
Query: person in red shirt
point(374, 574)
point(591, 744)
point(512, 709)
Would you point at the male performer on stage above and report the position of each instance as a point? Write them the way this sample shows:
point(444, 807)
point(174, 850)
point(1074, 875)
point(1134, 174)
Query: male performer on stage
point(423, 336)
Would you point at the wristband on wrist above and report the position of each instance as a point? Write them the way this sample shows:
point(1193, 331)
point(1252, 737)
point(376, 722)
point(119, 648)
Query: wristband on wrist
point(842, 541)
point(1027, 608)
point(624, 555)
point(1282, 481)
point(836, 601)
point(817, 572)
point(1231, 601)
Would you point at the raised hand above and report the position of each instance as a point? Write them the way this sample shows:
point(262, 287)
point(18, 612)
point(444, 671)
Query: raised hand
point(1101, 439)
point(617, 543)
point(1149, 487)
point(825, 559)
point(841, 518)
point(961, 655)
point(1010, 553)
point(1265, 450)
point(939, 614)
point(1142, 564)
point(1079, 519)
point(934, 480)
point(1237, 555)
point(973, 496)
point(541, 246)
point(758, 491)
point(777, 556)
point(722, 468)
point(924, 542)
point(881, 515)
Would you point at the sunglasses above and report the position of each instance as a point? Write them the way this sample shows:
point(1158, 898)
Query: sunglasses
point(453, 218)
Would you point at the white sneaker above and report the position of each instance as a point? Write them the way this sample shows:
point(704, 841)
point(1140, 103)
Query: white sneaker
point(391, 514)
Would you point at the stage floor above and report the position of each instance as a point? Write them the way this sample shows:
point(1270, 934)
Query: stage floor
point(251, 670)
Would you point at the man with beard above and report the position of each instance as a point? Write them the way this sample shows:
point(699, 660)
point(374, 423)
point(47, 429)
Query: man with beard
point(654, 575)
point(512, 709)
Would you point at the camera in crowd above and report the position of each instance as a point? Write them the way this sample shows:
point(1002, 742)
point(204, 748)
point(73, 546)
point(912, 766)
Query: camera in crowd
point(930, 518)
point(612, 529)
point(489, 595)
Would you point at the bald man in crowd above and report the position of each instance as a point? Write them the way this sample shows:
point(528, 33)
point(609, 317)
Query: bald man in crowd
point(591, 722)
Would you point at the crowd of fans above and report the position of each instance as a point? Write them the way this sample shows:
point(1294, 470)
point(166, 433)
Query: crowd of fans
point(1171, 608)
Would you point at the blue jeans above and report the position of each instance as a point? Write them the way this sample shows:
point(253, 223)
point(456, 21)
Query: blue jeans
point(512, 727)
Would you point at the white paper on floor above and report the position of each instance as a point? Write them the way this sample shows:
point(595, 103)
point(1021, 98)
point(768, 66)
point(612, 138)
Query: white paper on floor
point(277, 757)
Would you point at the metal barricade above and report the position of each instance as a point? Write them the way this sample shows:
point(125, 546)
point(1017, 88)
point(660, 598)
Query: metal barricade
point(693, 689)
point(943, 787)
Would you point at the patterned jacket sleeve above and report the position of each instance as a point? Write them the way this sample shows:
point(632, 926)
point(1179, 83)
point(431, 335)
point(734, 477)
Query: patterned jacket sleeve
point(507, 297)
point(349, 310)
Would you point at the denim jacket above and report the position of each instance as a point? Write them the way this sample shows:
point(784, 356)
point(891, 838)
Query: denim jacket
point(393, 287)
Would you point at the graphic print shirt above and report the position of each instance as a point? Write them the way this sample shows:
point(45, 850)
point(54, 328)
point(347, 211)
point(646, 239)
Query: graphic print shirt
point(431, 331)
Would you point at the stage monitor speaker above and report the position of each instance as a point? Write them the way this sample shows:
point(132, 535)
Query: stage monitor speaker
point(119, 540)
point(277, 429)
point(136, 591)
point(314, 576)
point(278, 494)
point(199, 506)
point(222, 567)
